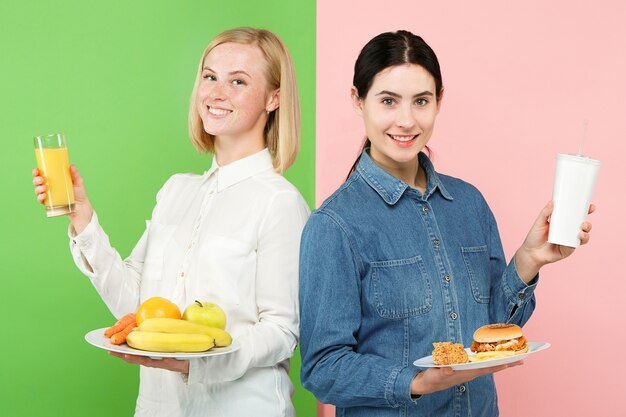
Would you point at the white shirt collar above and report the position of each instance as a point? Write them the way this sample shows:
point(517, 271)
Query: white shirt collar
point(240, 169)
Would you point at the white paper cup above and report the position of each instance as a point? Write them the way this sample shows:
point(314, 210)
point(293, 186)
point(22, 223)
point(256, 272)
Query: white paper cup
point(574, 182)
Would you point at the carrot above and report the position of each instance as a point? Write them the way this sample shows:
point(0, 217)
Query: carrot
point(120, 337)
point(120, 325)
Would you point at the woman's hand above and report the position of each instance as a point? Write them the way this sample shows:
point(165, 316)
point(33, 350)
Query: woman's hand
point(437, 379)
point(536, 251)
point(170, 364)
point(83, 211)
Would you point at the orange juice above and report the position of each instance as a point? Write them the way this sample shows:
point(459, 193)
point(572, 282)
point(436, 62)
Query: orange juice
point(54, 166)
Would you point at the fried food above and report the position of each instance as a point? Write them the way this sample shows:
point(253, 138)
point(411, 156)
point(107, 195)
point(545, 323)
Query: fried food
point(448, 353)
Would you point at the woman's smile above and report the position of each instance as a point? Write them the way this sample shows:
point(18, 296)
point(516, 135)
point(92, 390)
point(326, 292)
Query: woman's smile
point(403, 141)
point(218, 112)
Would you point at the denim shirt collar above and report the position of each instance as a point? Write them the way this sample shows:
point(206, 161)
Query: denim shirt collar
point(391, 188)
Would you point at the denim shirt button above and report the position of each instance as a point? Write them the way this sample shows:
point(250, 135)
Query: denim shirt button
point(462, 389)
point(521, 295)
point(425, 209)
point(446, 277)
point(454, 316)
point(436, 242)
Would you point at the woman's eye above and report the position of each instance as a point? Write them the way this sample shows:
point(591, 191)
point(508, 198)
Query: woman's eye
point(238, 82)
point(210, 77)
point(421, 101)
point(388, 101)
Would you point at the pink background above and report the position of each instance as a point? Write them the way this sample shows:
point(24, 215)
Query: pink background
point(519, 82)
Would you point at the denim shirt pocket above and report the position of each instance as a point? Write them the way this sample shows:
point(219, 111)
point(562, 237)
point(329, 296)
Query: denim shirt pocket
point(401, 288)
point(476, 259)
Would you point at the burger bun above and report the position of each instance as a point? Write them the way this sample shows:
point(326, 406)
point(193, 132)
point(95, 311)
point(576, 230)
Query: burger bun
point(492, 333)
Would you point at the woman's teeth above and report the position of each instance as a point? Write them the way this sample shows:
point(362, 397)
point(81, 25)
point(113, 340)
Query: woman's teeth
point(403, 138)
point(218, 112)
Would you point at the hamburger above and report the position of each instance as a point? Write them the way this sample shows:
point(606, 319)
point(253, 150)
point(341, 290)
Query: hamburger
point(498, 340)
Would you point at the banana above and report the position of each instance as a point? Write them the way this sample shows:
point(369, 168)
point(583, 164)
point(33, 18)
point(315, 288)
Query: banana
point(169, 342)
point(166, 325)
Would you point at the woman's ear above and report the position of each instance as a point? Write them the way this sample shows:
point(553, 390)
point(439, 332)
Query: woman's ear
point(357, 103)
point(273, 102)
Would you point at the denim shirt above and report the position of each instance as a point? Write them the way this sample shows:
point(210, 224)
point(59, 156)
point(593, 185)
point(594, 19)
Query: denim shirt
point(385, 271)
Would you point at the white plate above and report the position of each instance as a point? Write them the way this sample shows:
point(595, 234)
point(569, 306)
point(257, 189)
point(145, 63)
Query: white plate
point(533, 347)
point(98, 339)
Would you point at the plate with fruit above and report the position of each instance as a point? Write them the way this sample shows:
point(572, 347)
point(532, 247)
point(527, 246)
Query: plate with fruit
point(158, 330)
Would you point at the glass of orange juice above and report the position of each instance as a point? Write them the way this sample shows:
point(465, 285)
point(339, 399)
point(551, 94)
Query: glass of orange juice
point(54, 165)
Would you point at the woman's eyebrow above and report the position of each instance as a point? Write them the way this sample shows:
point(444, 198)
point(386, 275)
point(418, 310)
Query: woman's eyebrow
point(389, 93)
point(230, 73)
point(396, 95)
point(239, 72)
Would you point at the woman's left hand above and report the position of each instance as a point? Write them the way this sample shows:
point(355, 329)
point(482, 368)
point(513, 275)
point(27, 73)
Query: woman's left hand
point(170, 364)
point(536, 251)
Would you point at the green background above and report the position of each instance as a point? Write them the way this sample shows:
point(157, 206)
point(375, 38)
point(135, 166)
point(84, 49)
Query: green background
point(116, 77)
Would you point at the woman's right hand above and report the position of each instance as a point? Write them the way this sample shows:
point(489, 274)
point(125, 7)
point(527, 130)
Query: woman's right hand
point(83, 211)
point(437, 379)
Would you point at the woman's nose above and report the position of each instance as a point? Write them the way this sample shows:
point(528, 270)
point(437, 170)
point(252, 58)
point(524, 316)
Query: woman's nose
point(217, 92)
point(405, 118)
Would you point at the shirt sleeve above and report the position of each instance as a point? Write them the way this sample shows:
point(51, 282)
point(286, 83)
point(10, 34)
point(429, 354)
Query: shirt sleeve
point(117, 280)
point(330, 311)
point(273, 338)
point(512, 300)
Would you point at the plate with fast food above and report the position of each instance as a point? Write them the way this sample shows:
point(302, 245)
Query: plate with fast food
point(493, 345)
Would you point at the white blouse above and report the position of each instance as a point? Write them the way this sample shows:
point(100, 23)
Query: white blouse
point(230, 236)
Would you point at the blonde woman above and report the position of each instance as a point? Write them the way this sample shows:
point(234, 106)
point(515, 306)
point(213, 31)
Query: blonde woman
point(230, 236)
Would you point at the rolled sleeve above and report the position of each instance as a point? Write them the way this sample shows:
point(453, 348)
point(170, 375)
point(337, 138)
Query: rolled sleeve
point(402, 386)
point(518, 291)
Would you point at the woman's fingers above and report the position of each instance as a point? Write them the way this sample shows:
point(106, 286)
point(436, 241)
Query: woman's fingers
point(584, 233)
point(40, 187)
point(545, 213)
point(592, 208)
point(494, 369)
point(584, 238)
point(166, 363)
point(76, 178)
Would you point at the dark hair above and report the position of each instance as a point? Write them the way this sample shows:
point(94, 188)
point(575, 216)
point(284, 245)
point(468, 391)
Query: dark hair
point(389, 49)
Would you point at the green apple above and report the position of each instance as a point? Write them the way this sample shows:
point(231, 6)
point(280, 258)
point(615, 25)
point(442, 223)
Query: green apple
point(209, 314)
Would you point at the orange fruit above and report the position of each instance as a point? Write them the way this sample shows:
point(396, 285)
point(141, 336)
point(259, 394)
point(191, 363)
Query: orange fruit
point(157, 307)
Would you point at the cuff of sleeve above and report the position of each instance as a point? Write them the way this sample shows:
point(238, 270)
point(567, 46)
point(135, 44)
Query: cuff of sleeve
point(517, 289)
point(85, 238)
point(402, 386)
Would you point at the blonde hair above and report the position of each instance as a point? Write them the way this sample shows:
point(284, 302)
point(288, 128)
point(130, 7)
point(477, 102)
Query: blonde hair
point(282, 130)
